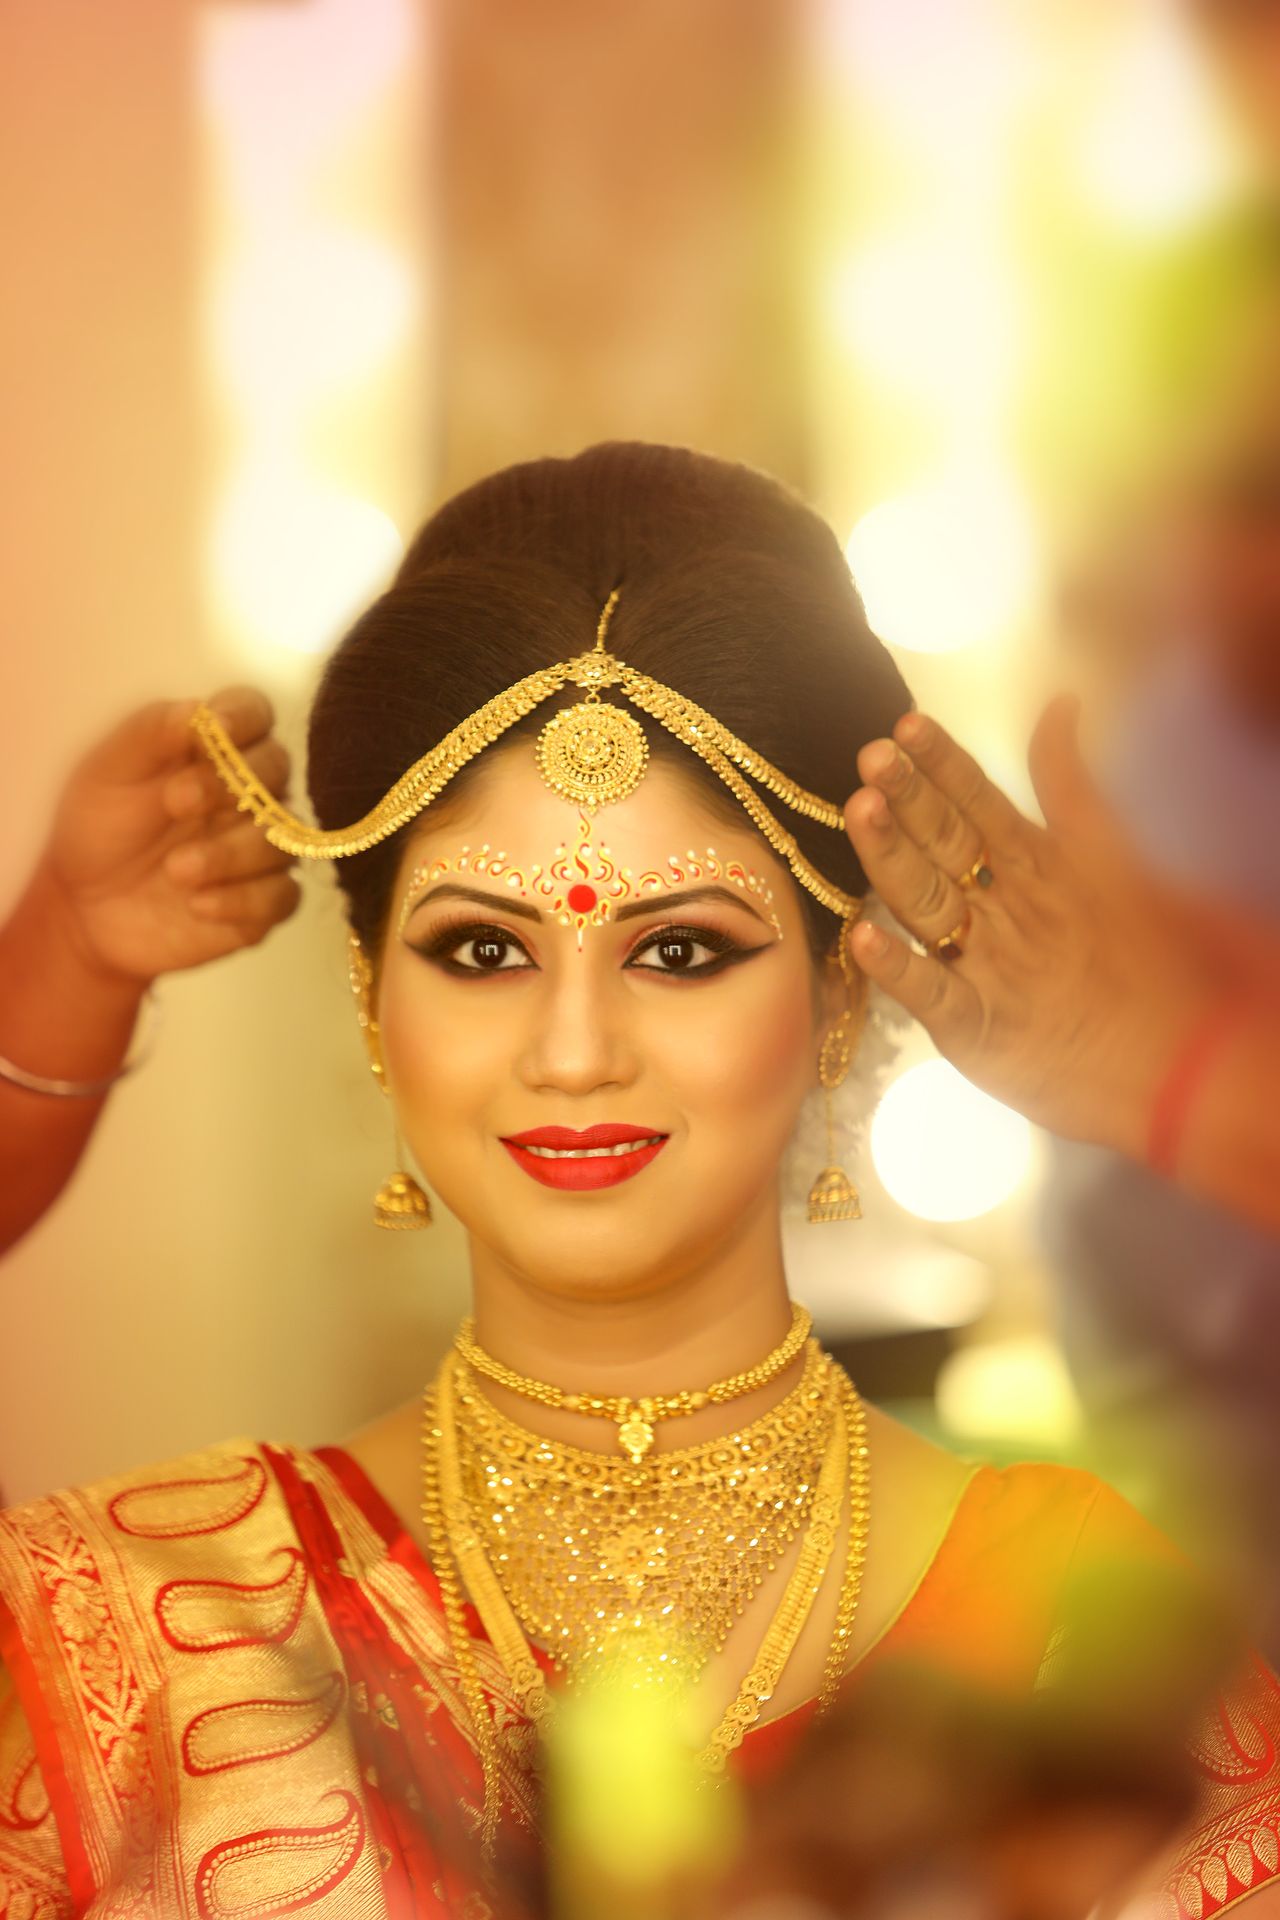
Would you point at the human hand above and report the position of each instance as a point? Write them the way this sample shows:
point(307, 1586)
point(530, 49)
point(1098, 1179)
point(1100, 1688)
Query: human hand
point(1081, 973)
point(931, 1793)
point(920, 1798)
point(149, 868)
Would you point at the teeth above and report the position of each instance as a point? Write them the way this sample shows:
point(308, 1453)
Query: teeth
point(593, 1153)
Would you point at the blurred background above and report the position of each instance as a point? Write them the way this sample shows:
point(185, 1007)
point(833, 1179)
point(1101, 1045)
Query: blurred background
point(992, 282)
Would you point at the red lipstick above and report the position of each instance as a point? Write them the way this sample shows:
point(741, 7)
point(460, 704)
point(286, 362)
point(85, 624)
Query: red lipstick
point(581, 1160)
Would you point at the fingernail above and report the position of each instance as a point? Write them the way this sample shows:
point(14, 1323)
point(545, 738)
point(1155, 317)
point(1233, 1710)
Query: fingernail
point(186, 863)
point(883, 758)
point(871, 942)
point(878, 808)
point(915, 729)
point(208, 902)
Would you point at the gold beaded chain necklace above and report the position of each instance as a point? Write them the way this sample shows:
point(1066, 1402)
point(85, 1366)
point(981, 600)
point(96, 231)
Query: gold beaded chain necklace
point(462, 1565)
point(636, 1418)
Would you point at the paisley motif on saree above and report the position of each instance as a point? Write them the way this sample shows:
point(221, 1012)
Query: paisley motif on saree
point(235, 1703)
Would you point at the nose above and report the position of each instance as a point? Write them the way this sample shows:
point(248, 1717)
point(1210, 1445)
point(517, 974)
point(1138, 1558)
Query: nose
point(579, 1040)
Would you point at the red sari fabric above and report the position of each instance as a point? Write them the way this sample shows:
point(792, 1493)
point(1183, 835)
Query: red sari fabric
point(230, 1694)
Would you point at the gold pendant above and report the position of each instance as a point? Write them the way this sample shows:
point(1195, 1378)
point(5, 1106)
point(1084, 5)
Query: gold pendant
point(593, 753)
point(635, 1435)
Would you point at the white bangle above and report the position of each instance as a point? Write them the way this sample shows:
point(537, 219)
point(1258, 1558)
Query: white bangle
point(87, 1089)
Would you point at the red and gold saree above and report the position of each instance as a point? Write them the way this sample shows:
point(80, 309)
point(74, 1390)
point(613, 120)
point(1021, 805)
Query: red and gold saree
point(228, 1692)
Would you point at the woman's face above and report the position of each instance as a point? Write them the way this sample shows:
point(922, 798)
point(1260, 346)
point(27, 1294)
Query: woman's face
point(646, 974)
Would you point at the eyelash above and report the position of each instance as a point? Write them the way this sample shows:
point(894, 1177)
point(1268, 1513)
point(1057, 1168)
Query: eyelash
point(441, 945)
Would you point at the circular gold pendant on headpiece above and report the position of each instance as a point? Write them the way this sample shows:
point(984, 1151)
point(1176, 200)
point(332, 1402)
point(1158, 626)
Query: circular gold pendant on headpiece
point(593, 754)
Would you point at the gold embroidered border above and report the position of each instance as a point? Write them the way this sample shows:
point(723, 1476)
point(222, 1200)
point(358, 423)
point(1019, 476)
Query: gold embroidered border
point(84, 1576)
point(419, 1628)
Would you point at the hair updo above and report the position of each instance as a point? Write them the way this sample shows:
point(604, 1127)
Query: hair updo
point(734, 593)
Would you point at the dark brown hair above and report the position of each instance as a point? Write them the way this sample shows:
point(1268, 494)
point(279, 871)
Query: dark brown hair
point(733, 592)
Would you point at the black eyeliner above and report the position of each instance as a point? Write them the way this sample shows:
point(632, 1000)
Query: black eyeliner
point(446, 939)
point(730, 951)
point(440, 945)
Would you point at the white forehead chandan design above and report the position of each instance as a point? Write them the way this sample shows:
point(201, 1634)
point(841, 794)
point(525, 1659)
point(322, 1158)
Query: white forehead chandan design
point(580, 886)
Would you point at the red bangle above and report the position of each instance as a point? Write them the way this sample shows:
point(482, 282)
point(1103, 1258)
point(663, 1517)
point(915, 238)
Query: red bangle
point(1182, 1082)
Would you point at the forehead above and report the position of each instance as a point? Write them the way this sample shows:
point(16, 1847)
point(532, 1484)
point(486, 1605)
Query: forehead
point(508, 805)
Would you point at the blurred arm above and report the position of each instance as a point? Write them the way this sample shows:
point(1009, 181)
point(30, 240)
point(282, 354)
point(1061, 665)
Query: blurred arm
point(149, 869)
point(1230, 1150)
point(63, 1018)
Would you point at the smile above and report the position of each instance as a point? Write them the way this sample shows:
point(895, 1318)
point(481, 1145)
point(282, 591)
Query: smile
point(584, 1162)
point(594, 1153)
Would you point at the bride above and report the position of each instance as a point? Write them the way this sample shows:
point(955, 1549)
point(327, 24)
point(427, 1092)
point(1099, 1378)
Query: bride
point(581, 771)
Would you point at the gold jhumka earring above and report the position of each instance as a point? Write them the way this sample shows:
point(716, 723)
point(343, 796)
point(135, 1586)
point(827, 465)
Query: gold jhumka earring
point(399, 1204)
point(833, 1195)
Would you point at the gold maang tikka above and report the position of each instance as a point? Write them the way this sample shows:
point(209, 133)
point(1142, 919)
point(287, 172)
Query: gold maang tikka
point(833, 1195)
point(400, 1203)
point(593, 753)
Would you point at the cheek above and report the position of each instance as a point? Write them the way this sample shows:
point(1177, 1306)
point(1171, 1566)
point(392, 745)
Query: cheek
point(743, 1053)
point(441, 1060)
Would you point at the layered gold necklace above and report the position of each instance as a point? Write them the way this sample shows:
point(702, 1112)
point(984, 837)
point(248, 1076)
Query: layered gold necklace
point(592, 1546)
point(594, 1555)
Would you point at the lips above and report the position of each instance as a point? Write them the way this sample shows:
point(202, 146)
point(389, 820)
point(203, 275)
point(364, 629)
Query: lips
point(582, 1160)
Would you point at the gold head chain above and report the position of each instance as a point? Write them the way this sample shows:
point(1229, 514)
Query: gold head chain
point(593, 753)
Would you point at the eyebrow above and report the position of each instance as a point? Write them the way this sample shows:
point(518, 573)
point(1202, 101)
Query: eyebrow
point(450, 890)
point(629, 910)
point(683, 896)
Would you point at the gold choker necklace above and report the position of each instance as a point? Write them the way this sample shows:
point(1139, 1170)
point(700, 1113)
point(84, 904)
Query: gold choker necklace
point(635, 1418)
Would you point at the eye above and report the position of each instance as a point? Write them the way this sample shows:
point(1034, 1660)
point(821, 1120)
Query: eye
point(688, 951)
point(474, 948)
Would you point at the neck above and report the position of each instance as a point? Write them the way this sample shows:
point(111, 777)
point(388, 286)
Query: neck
point(678, 1331)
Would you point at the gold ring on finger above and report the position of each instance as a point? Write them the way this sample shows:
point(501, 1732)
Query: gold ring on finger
point(979, 874)
point(951, 946)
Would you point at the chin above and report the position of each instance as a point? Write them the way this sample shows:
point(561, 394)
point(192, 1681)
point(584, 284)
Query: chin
point(616, 1262)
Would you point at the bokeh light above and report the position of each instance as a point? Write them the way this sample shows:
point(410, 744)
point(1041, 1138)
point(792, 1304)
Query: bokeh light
point(931, 315)
point(1016, 1389)
point(1153, 154)
point(294, 560)
point(946, 566)
point(943, 1149)
point(306, 310)
point(315, 307)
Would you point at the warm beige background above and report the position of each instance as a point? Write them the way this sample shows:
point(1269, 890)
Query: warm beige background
point(782, 231)
point(214, 1269)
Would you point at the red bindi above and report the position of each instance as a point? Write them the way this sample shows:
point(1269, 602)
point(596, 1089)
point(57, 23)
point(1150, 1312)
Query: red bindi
point(582, 898)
